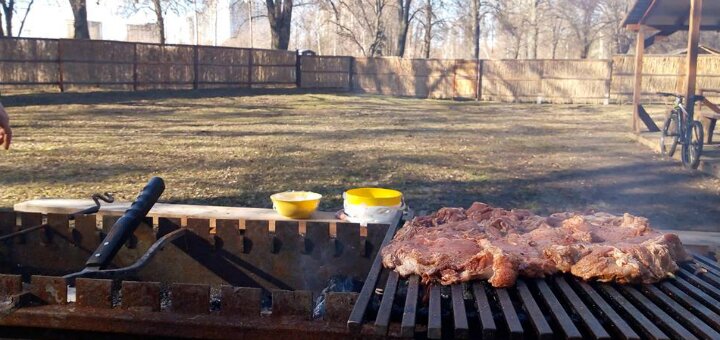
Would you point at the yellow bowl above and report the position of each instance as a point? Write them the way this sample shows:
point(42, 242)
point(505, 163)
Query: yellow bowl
point(374, 197)
point(296, 204)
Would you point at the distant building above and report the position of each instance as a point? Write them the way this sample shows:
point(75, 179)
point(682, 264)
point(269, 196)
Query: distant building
point(95, 28)
point(145, 33)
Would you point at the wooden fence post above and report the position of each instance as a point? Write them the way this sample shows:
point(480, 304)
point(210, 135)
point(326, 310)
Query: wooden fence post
point(351, 68)
point(478, 79)
point(196, 81)
point(135, 65)
point(60, 66)
point(250, 68)
point(298, 73)
point(454, 81)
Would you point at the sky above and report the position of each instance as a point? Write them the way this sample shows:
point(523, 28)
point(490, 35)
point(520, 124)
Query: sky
point(50, 19)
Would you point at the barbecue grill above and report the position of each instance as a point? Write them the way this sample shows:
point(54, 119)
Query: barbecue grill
point(686, 307)
point(232, 275)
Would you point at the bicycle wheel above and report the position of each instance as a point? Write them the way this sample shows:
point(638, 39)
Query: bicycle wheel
point(669, 135)
point(693, 145)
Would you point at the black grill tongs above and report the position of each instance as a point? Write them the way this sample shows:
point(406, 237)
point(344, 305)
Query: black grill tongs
point(119, 234)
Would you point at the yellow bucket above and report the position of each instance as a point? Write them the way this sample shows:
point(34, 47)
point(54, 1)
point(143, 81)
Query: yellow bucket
point(296, 204)
point(374, 197)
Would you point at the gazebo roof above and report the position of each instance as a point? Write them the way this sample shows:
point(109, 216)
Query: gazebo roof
point(671, 15)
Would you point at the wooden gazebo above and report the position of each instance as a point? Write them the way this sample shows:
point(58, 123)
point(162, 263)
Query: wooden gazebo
point(655, 19)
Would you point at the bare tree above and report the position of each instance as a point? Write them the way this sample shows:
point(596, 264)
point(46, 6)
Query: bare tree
point(159, 8)
point(8, 7)
point(585, 22)
point(280, 18)
point(513, 22)
point(27, 11)
point(361, 22)
point(614, 11)
point(79, 9)
point(403, 18)
point(475, 17)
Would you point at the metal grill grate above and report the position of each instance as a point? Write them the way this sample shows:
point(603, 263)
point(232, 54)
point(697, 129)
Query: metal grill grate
point(687, 307)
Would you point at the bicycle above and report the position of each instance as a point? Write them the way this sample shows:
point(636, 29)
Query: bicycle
point(680, 128)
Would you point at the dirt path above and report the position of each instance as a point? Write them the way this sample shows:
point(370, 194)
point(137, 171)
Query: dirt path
point(221, 147)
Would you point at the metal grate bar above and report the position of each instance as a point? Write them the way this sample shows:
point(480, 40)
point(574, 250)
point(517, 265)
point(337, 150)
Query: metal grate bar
point(705, 272)
point(706, 314)
point(556, 310)
point(708, 261)
point(708, 288)
point(459, 313)
point(689, 319)
point(713, 278)
point(647, 327)
point(511, 318)
point(625, 331)
point(383, 316)
point(485, 313)
point(592, 324)
point(434, 314)
point(698, 294)
point(542, 328)
point(709, 268)
point(407, 327)
point(358, 313)
point(675, 328)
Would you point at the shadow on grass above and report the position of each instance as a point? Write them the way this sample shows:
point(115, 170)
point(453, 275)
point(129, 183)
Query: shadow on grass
point(110, 97)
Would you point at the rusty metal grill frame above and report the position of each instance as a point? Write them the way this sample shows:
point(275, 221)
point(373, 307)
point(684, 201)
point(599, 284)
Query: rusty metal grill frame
point(687, 307)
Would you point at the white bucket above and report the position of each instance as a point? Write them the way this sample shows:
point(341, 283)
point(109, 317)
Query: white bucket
point(363, 214)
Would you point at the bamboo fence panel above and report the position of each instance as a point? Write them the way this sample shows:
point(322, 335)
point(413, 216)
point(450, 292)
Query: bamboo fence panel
point(25, 62)
point(68, 64)
point(325, 72)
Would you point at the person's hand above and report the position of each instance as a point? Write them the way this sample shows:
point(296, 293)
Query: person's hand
point(5, 131)
point(5, 135)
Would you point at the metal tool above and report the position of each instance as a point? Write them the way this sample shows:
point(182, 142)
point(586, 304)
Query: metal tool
point(122, 230)
point(105, 197)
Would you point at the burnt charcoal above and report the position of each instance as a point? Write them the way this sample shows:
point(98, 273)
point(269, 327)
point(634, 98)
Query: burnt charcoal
point(266, 303)
point(337, 284)
point(165, 300)
point(215, 299)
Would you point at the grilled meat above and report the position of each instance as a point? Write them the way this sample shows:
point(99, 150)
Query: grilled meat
point(455, 245)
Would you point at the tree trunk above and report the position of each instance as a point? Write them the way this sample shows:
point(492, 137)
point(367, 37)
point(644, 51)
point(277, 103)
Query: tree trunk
point(535, 31)
point(79, 8)
point(428, 28)
point(280, 17)
point(2, 33)
point(8, 9)
point(476, 28)
point(403, 19)
point(160, 20)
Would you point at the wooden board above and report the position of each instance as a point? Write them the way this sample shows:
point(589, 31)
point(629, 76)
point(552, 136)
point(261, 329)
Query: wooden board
point(69, 206)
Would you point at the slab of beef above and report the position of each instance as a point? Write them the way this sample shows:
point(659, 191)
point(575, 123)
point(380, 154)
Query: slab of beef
point(482, 242)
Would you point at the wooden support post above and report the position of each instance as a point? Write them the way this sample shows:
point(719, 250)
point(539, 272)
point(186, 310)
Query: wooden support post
point(60, 65)
point(454, 81)
point(135, 65)
point(298, 71)
point(351, 68)
point(637, 86)
point(196, 68)
point(692, 54)
point(478, 78)
point(250, 67)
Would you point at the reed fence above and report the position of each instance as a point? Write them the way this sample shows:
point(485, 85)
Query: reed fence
point(75, 64)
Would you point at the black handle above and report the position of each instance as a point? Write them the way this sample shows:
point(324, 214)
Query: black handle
point(126, 225)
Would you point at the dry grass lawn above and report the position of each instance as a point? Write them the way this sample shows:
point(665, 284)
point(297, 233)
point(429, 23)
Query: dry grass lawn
point(233, 148)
